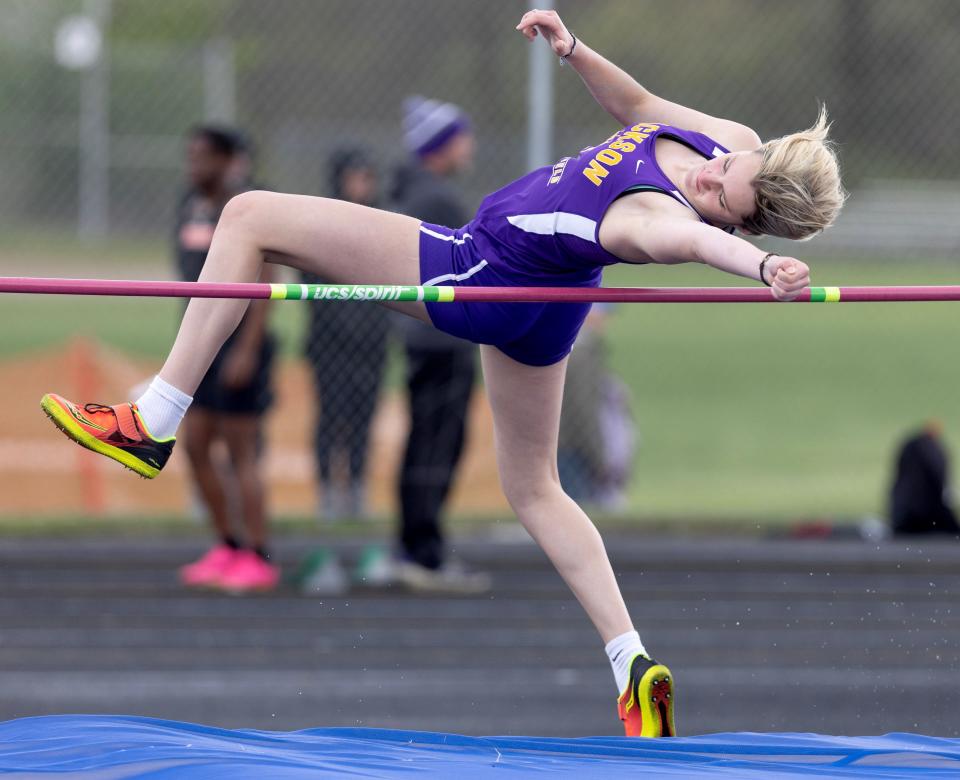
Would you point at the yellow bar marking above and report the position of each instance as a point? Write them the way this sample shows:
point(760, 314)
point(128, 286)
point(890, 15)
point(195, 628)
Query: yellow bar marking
point(278, 292)
point(445, 295)
point(832, 294)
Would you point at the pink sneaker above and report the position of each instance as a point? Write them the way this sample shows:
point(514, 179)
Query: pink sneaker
point(207, 571)
point(248, 571)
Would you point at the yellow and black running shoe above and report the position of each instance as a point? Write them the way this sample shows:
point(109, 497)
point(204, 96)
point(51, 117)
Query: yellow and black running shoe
point(646, 706)
point(115, 431)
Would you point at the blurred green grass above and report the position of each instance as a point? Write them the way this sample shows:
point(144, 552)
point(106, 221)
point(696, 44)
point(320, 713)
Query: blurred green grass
point(146, 327)
point(780, 410)
point(749, 412)
point(143, 327)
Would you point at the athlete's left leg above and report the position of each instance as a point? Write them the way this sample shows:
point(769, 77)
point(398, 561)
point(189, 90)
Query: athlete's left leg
point(343, 242)
point(526, 404)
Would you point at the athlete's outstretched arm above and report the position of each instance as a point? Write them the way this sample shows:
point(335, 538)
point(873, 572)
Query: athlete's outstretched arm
point(683, 240)
point(621, 95)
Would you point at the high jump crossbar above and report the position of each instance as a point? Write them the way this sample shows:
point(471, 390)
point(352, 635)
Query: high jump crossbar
point(439, 294)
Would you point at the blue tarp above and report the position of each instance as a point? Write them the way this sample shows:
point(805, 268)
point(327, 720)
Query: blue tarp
point(114, 747)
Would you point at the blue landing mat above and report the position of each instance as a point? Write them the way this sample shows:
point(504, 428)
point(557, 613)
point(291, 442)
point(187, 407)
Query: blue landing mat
point(114, 747)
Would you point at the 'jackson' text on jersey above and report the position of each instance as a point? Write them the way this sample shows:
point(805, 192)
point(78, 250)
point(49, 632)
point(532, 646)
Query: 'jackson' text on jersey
point(547, 223)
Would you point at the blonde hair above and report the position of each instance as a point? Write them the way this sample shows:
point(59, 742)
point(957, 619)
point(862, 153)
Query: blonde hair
point(798, 188)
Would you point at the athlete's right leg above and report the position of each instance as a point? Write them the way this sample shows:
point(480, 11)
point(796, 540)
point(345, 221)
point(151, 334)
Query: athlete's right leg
point(526, 403)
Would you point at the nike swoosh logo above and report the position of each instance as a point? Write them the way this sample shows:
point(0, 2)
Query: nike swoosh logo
point(637, 169)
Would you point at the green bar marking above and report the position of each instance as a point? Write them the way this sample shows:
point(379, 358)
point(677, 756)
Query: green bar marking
point(375, 293)
point(824, 294)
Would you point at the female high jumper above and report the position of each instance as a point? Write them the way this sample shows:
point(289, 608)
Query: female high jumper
point(671, 187)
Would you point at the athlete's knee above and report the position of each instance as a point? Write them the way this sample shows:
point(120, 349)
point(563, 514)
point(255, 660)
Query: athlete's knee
point(243, 209)
point(526, 492)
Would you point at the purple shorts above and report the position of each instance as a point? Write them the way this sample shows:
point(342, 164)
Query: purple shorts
point(536, 334)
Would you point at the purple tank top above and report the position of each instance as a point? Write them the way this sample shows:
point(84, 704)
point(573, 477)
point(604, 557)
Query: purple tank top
point(547, 223)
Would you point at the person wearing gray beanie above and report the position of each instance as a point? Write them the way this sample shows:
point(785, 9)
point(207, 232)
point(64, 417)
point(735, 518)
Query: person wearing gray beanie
point(429, 124)
point(441, 369)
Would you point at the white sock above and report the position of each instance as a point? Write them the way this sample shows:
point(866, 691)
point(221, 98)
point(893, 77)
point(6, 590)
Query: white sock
point(620, 651)
point(162, 408)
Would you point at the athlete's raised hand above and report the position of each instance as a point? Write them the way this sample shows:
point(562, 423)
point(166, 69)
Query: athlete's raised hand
point(550, 26)
point(787, 276)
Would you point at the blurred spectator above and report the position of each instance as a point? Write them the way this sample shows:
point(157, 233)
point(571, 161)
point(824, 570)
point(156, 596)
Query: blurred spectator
point(230, 404)
point(441, 370)
point(346, 347)
point(240, 174)
point(597, 431)
point(920, 501)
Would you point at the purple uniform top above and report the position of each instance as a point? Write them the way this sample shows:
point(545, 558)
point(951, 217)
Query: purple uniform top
point(546, 225)
point(542, 231)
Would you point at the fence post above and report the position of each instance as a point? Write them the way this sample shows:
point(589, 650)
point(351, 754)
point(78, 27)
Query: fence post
point(219, 81)
point(540, 74)
point(94, 186)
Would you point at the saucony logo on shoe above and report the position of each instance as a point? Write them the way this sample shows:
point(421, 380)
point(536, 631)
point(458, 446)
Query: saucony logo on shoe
point(76, 413)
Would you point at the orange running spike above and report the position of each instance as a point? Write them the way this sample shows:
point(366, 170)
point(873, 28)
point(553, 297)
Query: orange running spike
point(115, 431)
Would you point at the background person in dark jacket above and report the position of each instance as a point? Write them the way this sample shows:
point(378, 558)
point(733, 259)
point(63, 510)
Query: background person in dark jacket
point(920, 498)
point(346, 347)
point(441, 370)
point(231, 401)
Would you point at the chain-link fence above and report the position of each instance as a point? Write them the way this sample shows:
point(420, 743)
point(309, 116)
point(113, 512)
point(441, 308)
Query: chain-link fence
point(303, 76)
point(97, 96)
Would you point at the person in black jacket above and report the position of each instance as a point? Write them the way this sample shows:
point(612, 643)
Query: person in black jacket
point(920, 498)
point(231, 402)
point(441, 369)
point(346, 346)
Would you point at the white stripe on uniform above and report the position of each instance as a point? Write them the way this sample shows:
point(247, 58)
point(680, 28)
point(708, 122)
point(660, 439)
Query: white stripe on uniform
point(442, 237)
point(556, 222)
point(456, 277)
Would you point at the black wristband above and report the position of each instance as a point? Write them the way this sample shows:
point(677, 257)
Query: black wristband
point(573, 48)
point(763, 264)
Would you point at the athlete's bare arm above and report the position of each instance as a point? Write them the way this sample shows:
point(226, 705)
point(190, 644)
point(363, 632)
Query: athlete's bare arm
point(619, 93)
point(650, 232)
